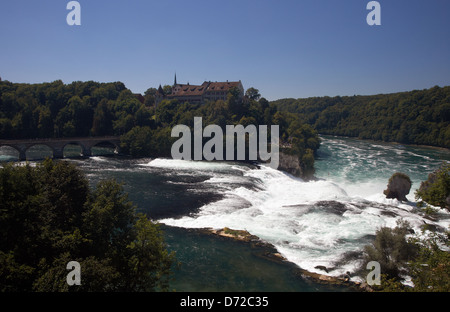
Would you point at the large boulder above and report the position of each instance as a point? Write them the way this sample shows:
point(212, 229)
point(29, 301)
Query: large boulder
point(398, 186)
point(290, 164)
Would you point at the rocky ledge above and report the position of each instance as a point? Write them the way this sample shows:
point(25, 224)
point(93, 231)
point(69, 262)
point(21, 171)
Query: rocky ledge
point(270, 253)
point(290, 164)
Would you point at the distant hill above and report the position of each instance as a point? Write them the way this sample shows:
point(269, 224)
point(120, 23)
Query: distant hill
point(414, 117)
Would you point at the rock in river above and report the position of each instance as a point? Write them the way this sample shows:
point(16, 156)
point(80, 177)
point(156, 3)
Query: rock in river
point(398, 187)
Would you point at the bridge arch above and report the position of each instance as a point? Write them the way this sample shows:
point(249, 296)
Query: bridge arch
point(8, 151)
point(72, 149)
point(32, 151)
point(84, 150)
point(57, 145)
point(106, 144)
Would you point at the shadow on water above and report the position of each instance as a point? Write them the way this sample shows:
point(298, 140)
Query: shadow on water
point(40, 152)
point(208, 263)
point(212, 263)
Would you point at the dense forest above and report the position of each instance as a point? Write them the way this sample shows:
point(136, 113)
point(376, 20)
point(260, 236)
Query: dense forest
point(415, 117)
point(50, 110)
point(54, 109)
point(49, 216)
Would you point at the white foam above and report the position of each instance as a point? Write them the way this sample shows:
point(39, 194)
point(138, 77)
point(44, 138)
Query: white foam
point(282, 213)
point(98, 158)
point(186, 164)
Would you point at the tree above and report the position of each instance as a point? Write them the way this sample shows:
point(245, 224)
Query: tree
point(391, 249)
point(167, 89)
point(6, 129)
point(307, 163)
point(428, 265)
point(102, 123)
point(149, 96)
point(45, 125)
point(109, 218)
point(138, 142)
point(430, 270)
point(149, 254)
point(264, 103)
point(436, 189)
point(415, 117)
point(49, 216)
point(253, 94)
point(235, 103)
point(143, 116)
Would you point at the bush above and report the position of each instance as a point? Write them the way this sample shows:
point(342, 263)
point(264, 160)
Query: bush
point(430, 271)
point(423, 260)
point(436, 189)
point(391, 249)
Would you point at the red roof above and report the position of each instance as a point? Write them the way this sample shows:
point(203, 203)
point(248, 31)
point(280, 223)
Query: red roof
point(223, 86)
point(195, 90)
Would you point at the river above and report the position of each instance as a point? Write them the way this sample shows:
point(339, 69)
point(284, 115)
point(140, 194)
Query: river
point(311, 223)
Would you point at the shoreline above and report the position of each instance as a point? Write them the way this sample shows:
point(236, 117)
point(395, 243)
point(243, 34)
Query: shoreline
point(446, 149)
point(270, 253)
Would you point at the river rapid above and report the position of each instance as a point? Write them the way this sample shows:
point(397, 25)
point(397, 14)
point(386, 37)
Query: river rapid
point(312, 224)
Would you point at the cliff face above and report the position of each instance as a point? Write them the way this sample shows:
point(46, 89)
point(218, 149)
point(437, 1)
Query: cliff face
point(290, 164)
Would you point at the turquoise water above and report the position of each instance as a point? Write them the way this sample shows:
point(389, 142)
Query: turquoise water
point(310, 223)
point(364, 167)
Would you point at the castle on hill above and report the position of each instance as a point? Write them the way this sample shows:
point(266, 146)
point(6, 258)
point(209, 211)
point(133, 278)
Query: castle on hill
point(199, 94)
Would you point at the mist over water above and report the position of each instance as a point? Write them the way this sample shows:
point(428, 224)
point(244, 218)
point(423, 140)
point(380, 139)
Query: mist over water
point(310, 223)
point(316, 223)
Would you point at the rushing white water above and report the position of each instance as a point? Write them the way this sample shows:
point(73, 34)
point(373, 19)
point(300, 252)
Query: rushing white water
point(311, 223)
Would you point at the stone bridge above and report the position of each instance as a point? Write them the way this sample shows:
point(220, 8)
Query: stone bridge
point(57, 145)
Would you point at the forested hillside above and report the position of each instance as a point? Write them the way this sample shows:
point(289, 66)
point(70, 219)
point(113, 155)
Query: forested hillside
point(415, 117)
point(78, 109)
point(55, 109)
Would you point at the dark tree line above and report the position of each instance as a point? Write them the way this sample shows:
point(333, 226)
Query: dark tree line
point(50, 216)
point(50, 110)
point(415, 117)
point(155, 139)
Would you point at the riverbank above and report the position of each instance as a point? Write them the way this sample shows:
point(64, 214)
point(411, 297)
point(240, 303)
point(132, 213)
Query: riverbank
point(270, 253)
point(393, 143)
point(285, 211)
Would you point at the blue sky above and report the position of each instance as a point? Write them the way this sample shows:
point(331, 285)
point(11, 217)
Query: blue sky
point(284, 48)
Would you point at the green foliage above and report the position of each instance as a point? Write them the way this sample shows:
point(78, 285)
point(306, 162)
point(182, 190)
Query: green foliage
point(149, 262)
point(425, 260)
point(400, 175)
point(54, 109)
point(430, 270)
point(391, 250)
point(416, 117)
point(137, 142)
point(436, 189)
point(49, 216)
point(296, 137)
point(307, 162)
point(253, 94)
point(102, 123)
